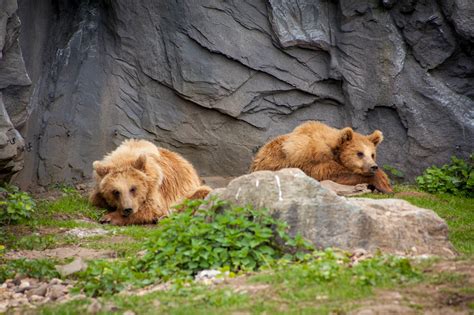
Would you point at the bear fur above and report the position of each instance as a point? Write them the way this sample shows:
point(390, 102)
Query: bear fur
point(325, 153)
point(139, 183)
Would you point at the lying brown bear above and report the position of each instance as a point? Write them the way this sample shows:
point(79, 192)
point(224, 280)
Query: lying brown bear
point(139, 183)
point(322, 152)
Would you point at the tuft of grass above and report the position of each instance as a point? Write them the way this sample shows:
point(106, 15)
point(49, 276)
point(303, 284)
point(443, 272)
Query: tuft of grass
point(36, 241)
point(35, 268)
point(70, 205)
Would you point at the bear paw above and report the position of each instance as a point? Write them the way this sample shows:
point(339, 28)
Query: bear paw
point(114, 218)
point(382, 183)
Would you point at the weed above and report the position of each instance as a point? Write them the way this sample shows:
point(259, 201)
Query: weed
point(455, 178)
point(35, 268)
point(16, 206)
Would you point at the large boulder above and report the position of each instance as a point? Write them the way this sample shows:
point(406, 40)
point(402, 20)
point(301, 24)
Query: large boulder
point(327, 220)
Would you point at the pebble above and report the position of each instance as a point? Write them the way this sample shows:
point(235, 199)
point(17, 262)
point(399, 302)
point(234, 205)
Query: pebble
point(40, 291)
point(56, 291)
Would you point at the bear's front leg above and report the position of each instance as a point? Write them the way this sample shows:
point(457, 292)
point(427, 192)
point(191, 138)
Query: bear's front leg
point(381, 182)
point(114, 218)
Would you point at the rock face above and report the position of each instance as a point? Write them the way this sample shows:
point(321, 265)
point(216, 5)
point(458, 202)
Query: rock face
point(13, 76)
point(327, 220)
point(214, 80)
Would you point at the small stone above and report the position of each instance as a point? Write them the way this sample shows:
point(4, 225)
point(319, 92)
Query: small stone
point(3, 306)
point(81, 187)
point(36, 298)
point(75, 266)
point(94, 307)
point(128, 313)
point(17, 295)
point(55, 281)
point(56, 291)
point(40, 291)
point(24, 285)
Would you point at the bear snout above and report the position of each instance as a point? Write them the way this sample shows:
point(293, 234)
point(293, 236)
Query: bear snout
point(127, 212)
point(374, 168)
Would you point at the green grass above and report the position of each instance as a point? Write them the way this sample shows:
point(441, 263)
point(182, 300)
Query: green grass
point(71, 205)
point(457, 211)
point(36, 241)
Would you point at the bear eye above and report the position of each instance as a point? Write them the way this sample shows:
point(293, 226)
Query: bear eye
point(360, 154)
point(133, 189)
point(116, 193)
point(373, 155)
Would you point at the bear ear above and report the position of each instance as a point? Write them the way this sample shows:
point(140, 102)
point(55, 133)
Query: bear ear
point(140, 163)
point(345, 135)
point(376, 137)
point(100, 169)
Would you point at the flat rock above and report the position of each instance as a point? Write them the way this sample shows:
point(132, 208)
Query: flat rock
point(76, 265)
point(328, 220)
point(83, 232)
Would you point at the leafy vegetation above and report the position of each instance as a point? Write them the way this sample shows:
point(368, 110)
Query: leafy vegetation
point(239, 238)
point(15, 206)
point(35, 268)
point(455, 178)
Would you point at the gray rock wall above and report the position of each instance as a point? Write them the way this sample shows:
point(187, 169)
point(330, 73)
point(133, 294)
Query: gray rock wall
point(214, 80)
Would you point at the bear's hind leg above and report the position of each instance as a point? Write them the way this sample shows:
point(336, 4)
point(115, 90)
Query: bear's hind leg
point(200, 193)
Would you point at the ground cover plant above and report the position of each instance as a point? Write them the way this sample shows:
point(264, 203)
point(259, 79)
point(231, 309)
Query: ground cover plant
point(455, 178)
point(15, 205)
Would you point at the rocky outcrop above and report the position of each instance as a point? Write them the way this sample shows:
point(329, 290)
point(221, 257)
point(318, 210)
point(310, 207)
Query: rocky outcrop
point(12, 77)
point(214, 80)
point(327, 220)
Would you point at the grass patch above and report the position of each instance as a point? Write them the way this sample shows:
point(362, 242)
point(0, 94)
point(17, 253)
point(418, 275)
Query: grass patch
point(35, 268)
point(36, 241)
point(70, 205)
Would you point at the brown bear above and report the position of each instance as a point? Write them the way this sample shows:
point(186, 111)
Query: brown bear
point(139, 183)
point(322, 152)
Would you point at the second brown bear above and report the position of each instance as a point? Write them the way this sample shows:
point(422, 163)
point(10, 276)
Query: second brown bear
point(322, 152)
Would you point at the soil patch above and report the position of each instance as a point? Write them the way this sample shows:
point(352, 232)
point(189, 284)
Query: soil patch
point(447, 297)
point(61, 253)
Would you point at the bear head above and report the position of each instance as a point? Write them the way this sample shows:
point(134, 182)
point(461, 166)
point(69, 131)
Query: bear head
point(358, 152)
point(124, 189)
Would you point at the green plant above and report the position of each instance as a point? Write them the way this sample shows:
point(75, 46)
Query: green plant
point(236, 238)
point(104, 277)
point(455, 178)
point(35, 268)
point(15, 206)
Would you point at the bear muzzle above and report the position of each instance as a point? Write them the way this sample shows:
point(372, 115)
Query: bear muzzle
point(127, 212)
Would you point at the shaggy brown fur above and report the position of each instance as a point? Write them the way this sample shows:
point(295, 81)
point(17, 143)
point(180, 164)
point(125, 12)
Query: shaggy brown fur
point(322, 152)
point(139, 183)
